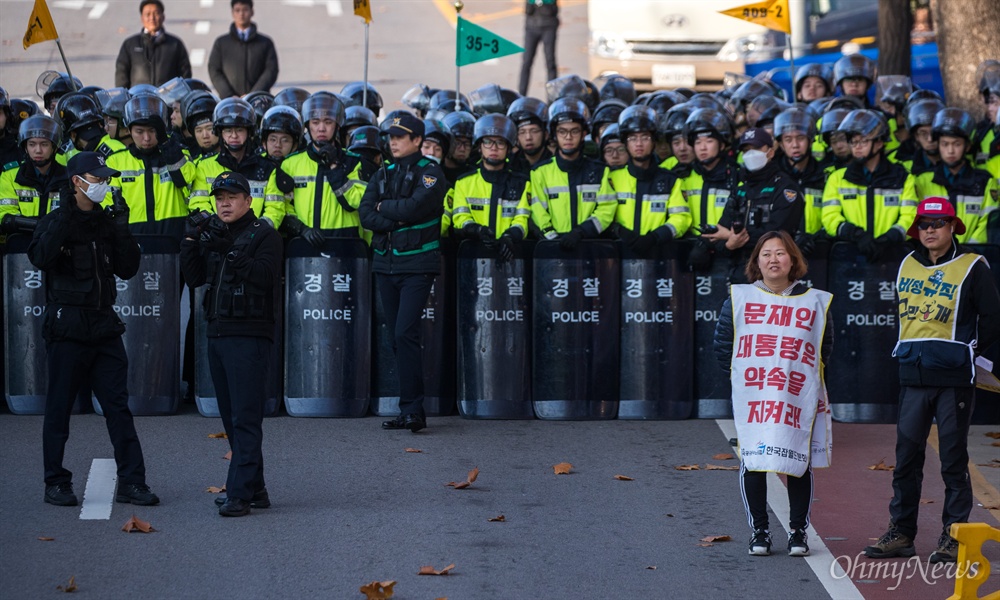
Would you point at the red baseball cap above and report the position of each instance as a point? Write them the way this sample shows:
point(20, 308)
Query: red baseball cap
point(936, 206)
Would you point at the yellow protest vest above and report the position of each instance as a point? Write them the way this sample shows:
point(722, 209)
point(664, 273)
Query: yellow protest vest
point(929, 296)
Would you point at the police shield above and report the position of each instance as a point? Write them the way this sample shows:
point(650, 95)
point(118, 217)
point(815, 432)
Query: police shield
point(575, 331)
point(657, 337)
point(711, 384)
point(494, 324)
point(862, 377)
point(24, 350)
point(149, 306)
point(328, 325)
point(438, 348)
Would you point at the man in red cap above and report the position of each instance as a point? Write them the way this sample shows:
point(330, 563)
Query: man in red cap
point(949, 311)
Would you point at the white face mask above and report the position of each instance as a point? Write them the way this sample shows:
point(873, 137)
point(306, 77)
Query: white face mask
point(96, 192)
point(754, 160)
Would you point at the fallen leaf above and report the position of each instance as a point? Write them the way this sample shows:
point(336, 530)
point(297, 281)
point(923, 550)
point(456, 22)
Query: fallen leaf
point(562, 468)
point(687, 467)
point(724, 456)
point(228, 455)
point(69, 588)
point(992, 507)
point(711, 467)
point(716, 538)
point(137, 524)
point(430, 570)
point(881, 466)
point(995, 444)
point(623, 478)
point(651, 567)
point(221, 435)
point(215, 490)
point(46, 539)
point(706, 545)
point(498, 519)
point(473, 474)
point(378, 590)
point(993, 434)
point(994, 465)
point(413, 450)
point(926, 501)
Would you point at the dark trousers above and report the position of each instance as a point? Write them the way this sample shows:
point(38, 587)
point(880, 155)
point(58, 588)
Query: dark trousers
point(532, 37)
point(403, 300)
point(239, 367)
point(753, 486)
point(918, 408)
point(106, 364)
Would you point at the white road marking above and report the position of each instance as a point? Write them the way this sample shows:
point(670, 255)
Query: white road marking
point(98, 10)
point(70, 4)
point(333, 8)
point(492, 62)
point(299, 2)
point(820, 559)
point(206, 3)
point(197, 57)
point(99, 495)
point(202, 27)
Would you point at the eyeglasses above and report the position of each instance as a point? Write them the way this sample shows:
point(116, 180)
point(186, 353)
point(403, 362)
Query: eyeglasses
point(639, 137)
point(460, 143)
point(493, 144)
point(934, 224)
point(615, 151)
point(569, 133)
point(858, 142)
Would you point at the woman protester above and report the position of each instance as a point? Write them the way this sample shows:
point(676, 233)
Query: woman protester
point(783, 422)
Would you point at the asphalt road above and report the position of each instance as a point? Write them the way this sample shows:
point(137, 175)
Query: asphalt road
point(320, 43)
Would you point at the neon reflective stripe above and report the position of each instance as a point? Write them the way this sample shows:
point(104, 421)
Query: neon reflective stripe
point(559, 189)
point(274, 198)
point(131, 173)
point(478, 201)
point(509, 202)
point(834, 202)
point(678, 209)
point(521, 227)
point(597, 224)
point(210, 181)
point(425, 248)
point(656, 198)
point(589, 187)
point(462, 210)
point(199, 193)
point(25, 193)
point(522, 212)
point(607, 198)
point(626, 195)
point(431, 223)
point(908, 203)
point(813, 192)
point(535, 201)
point(305, 179)
point(343, 189)
point(177, 165)
point(8, 201)
point(888, 192)
point(847, 191)
point(689, 193)
point(551, 235)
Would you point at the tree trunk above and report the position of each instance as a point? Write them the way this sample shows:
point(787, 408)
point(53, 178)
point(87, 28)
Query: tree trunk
point(895, 21)
point(967, 35)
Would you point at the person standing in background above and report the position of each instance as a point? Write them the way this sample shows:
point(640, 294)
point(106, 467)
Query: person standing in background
point(242, 60)
point(540, 25)
point(152, 56)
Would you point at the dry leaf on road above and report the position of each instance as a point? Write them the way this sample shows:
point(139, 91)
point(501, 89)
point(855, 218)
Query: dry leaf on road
point(221, 435)
point(711, 467)
point(46, 539)
point(473, 474)
point(412, 450)
point(378, 590)
point(724, 456)
point(68, 588)
point(562, 468)
point(215, 490)
point(624, 478)
point(706, 545)
point(881, 466)
point(137, 524)
point(716, 538)
point(993, 434)
point(687, 468)
point(995, 444)
point(430, 570)
point(926, 501)
point(228, 455)
point(498, 519)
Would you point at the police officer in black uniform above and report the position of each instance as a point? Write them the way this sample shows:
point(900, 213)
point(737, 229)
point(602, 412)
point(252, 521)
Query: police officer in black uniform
point(82, 247)
point(402, 207)
point(240, 257)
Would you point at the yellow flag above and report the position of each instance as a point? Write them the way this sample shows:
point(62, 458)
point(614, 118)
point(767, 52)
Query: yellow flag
point(772, 14)
point(40, 25)
point(363, 9)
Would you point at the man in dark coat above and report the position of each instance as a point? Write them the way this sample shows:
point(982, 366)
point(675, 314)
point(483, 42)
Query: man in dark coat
point(152, 56)
point(242, 60)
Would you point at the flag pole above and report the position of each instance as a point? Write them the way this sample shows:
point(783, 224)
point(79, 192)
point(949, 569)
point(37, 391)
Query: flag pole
point(791, 56)
point(458, 70)
point(72, 82)
point(364, 94)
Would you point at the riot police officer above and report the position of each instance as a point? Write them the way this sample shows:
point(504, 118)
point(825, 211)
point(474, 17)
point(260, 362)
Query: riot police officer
point(651, 209)
point(612, 148)
point(10, 152)
point(32, 189)
point(81, 121)
point(82, 248)
point(280, 132)
point(197, 110)
point(795, 130)
point(491, 203)
point(459, 160)
point(854, 74)
point(530, 116)
point(812, 81)
point(919, 152)
point(240, 257)
point(402, 206)
point(117, 138)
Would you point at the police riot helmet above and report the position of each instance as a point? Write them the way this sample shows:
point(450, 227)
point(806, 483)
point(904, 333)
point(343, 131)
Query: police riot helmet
point(894, 90)
point(418, 98)
point(764, 109)
point(234, 112)
point(568, 109)
point(365, 137)
point(148, 110)
point(143, 89)
point(293, 97)
point(460, 124)
point(822, 72)
point(672, 123)
point(448, 101)
point(635, 119)
point(848, 102)
point(436, 131)
point(75, 111)
point(21, 109)
point(281, 119)
point(703, 100)
point(795, 120)
point(261, 101)
point(569, 86)
point(619, 87)
point(197, 84)
point(831, 122)
point(709, 121)
point(747, 92)
point(607, 111)
point(869, 124)
point(112, 101)
point(359, 116)
point(173, 90)
point(197, 108)
point(487, 99)
point(953, 122)
point(324, 105)
point(509, 96)
point(39, 126)
point(611, 134)
point(5, 107)
point(53, 84)
point(922, 112)
point(819, 105)
point(524, 111)
point(495, 125)
point(922, 94)
point(988, 78)
point(664, 100)
point(853, 65)
point(355, 93)
point(91, 90)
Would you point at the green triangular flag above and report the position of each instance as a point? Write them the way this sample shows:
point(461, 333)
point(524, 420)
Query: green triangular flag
point(476, 44)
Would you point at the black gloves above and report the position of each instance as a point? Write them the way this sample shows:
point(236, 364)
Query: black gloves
point(849, 231)
point(7, 224)
point(626, 235)
point(571, 239)
point(867, 245)
point(118, 211)
point(297, 228)
point(215, 235)
point(806, 243)
point(172, 152)
point(644, 243)
point(313, 236)
point(195, 223)
point(284, 181)
point(700, 258)
point(505, 247)
point(891, 237)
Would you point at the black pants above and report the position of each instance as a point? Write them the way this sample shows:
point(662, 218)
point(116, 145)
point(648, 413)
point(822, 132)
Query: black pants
point(403, 300)
point(239, 367)
point(918, 408)
point(70, 363)
point(532, 37)
point(753, 486)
